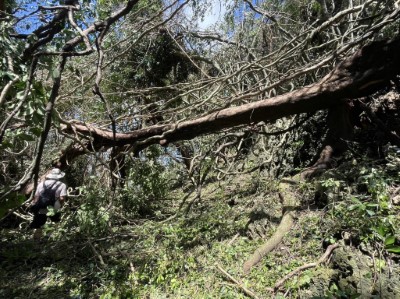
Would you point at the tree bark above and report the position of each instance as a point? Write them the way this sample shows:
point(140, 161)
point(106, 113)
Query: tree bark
point(117, 167)
point(290, 205)
point(340, 131)
point(367, 71)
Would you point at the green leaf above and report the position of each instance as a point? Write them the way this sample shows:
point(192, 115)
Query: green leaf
point(26, 137)
point(381, 230)
point(390, 240)
point(353, 207)
point(50, 211)
point(20, 94)
point(370, 213)
point(35, 131)
point(393, 249)
point(30, 109)
point(372, 205)
point(20, 198)
point(40, 111)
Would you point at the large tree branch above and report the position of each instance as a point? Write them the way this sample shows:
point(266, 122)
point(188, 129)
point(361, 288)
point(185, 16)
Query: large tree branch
point(367, 71)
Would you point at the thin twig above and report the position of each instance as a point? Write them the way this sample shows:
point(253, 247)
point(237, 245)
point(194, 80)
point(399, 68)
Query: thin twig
point(239, 284)
point(323, 258)
point(233, 239)
point(97, 254)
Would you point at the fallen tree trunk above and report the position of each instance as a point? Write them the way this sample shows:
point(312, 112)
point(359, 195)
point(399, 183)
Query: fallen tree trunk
point(367, 71)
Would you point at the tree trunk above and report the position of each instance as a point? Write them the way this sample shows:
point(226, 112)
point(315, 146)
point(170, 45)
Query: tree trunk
point(364, 73)
point(340, 131)
point(367, 71)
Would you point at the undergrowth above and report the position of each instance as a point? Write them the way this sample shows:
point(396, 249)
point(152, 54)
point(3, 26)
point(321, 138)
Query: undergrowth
point(113, 251)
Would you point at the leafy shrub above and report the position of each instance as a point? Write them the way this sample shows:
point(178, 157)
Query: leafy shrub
point(91, 220)
point(145, 188)
point(367, 217)
point(94, 213)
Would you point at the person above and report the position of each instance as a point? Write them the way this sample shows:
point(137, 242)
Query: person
point(51, 185)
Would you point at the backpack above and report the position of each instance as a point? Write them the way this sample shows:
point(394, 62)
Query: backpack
point(46, 198)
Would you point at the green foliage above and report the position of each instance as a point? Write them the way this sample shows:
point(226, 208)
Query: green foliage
point(92, 220)
point(146, 187)
point(10, 202)
point(93, 215)
point(8, 46)
point(364, 208)
point(335, 292)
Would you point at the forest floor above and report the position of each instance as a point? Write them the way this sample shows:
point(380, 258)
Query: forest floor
point(200, 253)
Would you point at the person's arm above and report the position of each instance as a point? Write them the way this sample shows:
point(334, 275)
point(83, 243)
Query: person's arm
point(36, 197)
point(62, 200)
point(63, 194)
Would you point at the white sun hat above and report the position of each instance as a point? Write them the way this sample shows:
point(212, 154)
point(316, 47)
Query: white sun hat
point(55, 174)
